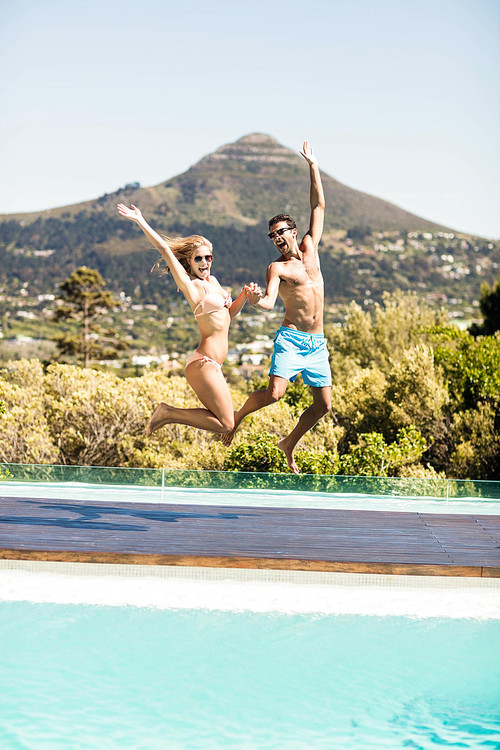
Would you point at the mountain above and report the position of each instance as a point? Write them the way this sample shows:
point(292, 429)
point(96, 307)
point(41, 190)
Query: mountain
point(244, 183)
point(369, 245)
point(255, 178)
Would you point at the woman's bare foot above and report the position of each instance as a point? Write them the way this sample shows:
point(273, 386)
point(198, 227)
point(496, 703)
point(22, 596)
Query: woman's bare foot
point(161, 416)
point(227, 438)
point(289, 456)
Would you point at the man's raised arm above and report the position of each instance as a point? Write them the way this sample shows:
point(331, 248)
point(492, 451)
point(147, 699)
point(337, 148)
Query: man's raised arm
point(316, 197)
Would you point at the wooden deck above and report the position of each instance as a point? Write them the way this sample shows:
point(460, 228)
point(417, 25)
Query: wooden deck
point(244, 537)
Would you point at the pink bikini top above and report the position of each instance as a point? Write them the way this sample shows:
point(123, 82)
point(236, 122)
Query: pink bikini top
point(212, 302)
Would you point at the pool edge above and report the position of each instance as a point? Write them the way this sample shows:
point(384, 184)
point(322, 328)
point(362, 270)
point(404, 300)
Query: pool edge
point(258, 563)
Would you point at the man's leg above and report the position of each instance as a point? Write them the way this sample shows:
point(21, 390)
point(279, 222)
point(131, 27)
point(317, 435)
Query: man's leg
point(320, 406)
point(257, 400)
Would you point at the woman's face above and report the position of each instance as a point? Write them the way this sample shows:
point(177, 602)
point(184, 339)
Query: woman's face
point(201, 261)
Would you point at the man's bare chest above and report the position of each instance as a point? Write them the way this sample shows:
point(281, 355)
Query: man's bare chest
point(300, 275)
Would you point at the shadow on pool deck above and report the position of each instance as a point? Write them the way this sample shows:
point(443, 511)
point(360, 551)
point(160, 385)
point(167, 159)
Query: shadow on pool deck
point(90, 514)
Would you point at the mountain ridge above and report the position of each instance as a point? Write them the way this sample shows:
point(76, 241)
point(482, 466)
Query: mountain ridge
point(245, 182)
point(369, 245)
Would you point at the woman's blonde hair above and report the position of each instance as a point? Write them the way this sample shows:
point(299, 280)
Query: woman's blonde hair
point(182, 248)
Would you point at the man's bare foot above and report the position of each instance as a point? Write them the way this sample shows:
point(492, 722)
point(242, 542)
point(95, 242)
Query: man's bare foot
point(161, 416)
point(289, 456)
point(227, 438)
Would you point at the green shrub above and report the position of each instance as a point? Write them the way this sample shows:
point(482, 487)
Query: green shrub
point(372, 456)
point(258, 453)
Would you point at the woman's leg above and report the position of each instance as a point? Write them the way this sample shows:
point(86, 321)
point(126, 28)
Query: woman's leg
point(207, 381)
point(257, 400)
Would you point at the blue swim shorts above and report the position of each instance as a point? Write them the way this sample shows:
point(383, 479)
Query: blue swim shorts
point(296, 351)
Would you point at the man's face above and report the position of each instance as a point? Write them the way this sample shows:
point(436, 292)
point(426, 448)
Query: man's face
point(283, 237)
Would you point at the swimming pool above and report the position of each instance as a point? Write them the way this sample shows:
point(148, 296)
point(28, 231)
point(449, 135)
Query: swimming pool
point(132, 656)
point(192, 658)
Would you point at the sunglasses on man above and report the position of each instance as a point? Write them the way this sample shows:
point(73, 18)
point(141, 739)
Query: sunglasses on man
point(278, 233)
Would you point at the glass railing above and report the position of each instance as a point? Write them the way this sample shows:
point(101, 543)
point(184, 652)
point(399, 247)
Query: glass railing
point(82, 474)
point(446, 489)
point(464, 488)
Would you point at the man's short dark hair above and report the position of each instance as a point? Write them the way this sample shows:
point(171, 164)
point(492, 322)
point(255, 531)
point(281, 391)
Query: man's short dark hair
point(282, 217)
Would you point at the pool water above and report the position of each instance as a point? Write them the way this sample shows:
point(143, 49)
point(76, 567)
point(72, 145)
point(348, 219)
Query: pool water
point(86, 676)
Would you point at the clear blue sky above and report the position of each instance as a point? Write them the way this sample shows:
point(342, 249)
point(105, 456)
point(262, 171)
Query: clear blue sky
point(400, 98)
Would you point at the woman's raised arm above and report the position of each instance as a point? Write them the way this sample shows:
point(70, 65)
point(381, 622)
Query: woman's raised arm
point(180, 275)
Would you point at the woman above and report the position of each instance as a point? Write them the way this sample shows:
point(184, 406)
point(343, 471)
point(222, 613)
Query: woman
point(189, 260)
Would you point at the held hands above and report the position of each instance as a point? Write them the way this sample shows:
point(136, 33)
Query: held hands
point(253, 292)
point(132, 213)
point(308, 153)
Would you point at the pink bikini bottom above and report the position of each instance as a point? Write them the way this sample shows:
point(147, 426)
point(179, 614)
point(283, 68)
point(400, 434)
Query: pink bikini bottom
point(196, 355)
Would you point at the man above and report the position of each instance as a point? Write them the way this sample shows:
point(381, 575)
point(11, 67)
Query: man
point(299, 345)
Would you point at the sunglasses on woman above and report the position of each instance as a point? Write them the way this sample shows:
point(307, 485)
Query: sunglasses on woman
point(199, 258)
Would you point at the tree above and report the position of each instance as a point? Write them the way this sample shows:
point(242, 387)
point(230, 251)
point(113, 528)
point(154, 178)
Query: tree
point(372, 456)
point(476, 443)
point(416, 394)
point(3, 474)
point(489, 304)
point(25, 434)
point(260, 453)
point(471, 367)
point(359, 232)
point(403, 365)
point(84, 300)
point(379, 338)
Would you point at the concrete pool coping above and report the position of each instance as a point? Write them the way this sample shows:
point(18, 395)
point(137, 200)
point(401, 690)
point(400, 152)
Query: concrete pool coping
point(251, 590)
